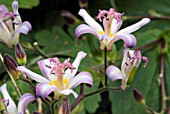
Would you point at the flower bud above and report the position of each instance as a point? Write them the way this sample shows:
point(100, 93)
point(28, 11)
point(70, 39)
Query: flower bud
point(2, 106)
point(138, 97)
point(20, 54)
point(69, 17)
point(83, 4)
point(11, 65)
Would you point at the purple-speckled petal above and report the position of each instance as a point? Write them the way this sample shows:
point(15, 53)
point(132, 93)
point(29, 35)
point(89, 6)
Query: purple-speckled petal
point(134, 27)
point(81, 55)
point(129, 40)
point(11, 108)
point(83, 29)
point(68, 91)
point(23, 102)
point(43, 90)
point(113, 73)
point(46, 71)
point(32, 75)
point(82, 77)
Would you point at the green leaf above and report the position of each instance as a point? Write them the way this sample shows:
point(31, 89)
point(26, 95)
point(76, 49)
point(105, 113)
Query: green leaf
point(22, 3)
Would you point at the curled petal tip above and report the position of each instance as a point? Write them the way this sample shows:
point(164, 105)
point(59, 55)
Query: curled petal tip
point(113, 73)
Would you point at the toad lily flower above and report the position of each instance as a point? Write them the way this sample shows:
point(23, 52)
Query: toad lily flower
point(23, 101)
point(112, 23)
point(130, 63)
point(11, 25)
point(59, 77)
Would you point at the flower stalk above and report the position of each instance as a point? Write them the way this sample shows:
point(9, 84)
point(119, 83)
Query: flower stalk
point(162, 77)
point(105, 64)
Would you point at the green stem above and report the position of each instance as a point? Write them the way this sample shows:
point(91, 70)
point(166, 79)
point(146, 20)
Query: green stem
point(162, 77)
point(39, 51)
point(105, 65)
point(53, 107)
point(28, 81)
point(81, 97)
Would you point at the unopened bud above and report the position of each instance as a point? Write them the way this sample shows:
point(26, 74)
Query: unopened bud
point(2, 106)
point(83, 4)
point(138, 97)
point(11, 65)
point(20, 54)
point(69, 17)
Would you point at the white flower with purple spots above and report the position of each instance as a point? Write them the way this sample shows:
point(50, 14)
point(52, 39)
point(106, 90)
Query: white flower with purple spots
point(59, 77)
point(11, 106)
point(130, 63)
point(112, 23)
point(11, 25)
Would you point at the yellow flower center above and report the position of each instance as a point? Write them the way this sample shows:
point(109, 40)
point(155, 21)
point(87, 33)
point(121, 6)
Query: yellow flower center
point(101, 32)
point(64, 82)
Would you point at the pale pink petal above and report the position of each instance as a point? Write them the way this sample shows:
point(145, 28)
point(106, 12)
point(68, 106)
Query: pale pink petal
point(43, 90)
point(23, 102)
point(68, 91)
point(32, 75)
point(134, 27)
point(113, 73)
point(82, 77)
point(11, 108)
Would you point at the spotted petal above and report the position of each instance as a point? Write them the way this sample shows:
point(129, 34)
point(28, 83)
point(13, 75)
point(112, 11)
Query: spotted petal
point(11, 108)
point(134, 27)
point(83, 29)
point(113, 73)
point(32, 75)
point(43, 90)
point(23, 102)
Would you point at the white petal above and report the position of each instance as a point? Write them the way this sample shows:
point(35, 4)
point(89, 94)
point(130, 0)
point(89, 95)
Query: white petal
point(81, 55)
point(32, 75)
point(134, 27)
point(89, 20)
point(68, 91)
point(11, 108)
point(115, 26)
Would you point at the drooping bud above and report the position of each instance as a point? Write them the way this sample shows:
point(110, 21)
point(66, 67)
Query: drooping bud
point(69, 17)
point(20, 54)
point(11, 65)
point(138, 97)
point(83, 4)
